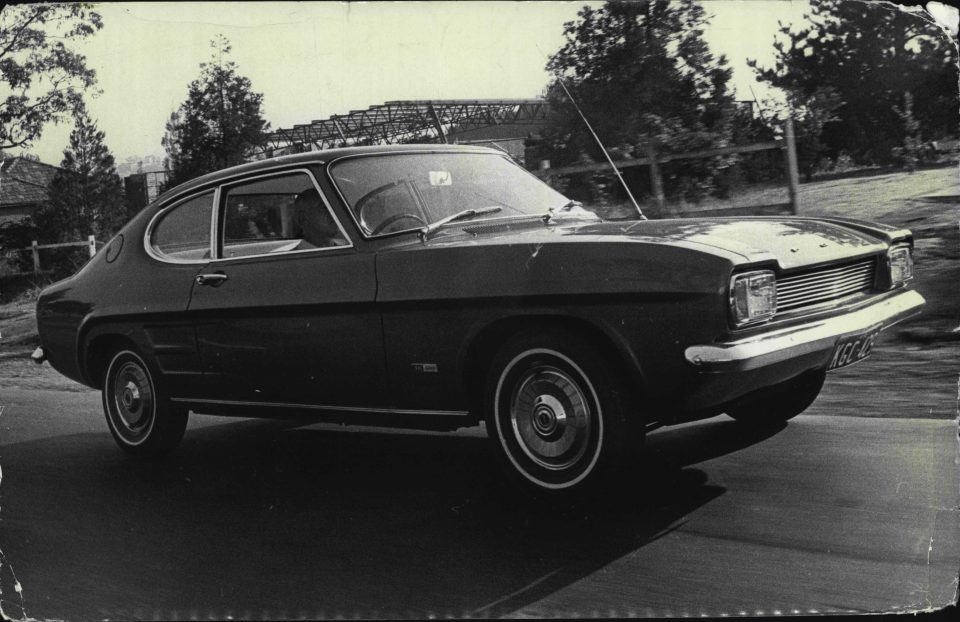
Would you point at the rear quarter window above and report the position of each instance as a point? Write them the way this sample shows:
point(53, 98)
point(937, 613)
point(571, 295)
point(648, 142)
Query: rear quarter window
point(183, 232)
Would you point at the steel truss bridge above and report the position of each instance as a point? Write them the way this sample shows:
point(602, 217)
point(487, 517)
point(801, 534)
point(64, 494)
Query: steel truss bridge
point(420, 121)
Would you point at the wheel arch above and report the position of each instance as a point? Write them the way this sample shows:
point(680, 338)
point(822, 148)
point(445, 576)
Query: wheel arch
point(97, 345)
point(485, 342)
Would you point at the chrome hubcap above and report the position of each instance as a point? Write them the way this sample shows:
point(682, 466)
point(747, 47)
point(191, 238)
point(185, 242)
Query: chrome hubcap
point(550, 417)
point(133, 397)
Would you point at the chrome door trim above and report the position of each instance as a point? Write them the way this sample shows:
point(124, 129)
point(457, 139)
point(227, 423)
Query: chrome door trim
point(352, 409)
point(323, 197)
point(215, 218)
point(155, 254)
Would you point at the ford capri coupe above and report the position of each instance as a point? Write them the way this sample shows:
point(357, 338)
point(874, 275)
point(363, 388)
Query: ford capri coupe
point(438, 287)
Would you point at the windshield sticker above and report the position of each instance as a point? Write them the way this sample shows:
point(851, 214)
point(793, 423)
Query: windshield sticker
point(441, 178)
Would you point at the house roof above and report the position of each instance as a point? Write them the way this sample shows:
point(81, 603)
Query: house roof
point(24, 181)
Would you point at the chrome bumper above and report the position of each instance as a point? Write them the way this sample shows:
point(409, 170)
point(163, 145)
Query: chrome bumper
point(788, 343)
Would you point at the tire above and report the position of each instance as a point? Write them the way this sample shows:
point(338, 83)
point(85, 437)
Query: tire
point(780, 402)
point(141, 417)
point(557, 411)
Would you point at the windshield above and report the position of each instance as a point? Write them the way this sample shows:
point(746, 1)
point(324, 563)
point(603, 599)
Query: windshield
point(390, 193)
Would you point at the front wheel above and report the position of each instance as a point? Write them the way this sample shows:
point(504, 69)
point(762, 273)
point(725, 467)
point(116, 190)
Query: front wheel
point(781, 402)
point(139, 413)
point(558, 415)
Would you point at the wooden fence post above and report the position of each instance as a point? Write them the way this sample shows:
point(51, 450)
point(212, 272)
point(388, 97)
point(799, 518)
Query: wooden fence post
point(793, 175)
point(92, 245)
point(656, 183)
point(36, 257)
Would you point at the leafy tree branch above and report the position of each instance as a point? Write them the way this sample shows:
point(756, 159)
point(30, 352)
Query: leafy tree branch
point(42, 80)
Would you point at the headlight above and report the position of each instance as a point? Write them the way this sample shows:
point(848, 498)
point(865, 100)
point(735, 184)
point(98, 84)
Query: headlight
point(900, 260)
point(753, 297)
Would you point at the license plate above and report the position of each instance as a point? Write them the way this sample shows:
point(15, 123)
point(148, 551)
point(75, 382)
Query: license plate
point(850, 350)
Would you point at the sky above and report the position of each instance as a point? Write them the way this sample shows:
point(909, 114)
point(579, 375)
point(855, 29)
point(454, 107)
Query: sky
point(312, 60)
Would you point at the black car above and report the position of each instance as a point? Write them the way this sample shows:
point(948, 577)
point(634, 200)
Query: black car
point(438, 287)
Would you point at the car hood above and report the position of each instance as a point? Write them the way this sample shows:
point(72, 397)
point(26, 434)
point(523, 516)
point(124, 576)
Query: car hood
point(789, 241)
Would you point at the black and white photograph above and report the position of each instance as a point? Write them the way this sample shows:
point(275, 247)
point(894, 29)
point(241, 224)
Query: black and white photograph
point(418, 310)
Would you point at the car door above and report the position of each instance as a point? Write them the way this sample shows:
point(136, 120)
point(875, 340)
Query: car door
point(285, 312)
point(179, 243)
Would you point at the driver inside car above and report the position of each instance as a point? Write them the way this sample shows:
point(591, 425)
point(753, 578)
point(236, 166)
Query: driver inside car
point(313, 223)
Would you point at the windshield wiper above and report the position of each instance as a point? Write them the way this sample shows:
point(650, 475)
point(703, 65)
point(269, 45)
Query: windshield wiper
point(464, 215)
point(566, 207)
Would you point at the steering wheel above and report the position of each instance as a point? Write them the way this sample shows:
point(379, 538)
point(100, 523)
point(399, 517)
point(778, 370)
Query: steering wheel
point(396, 218)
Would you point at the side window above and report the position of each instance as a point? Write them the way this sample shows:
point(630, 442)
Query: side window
point(184, 231)
point(276, 215)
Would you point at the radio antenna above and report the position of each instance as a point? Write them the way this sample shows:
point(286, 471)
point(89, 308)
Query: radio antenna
point(602, 148)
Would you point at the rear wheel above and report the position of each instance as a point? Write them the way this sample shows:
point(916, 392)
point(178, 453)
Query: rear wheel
point(557, 412)
point(781, 402)
point(141, 417)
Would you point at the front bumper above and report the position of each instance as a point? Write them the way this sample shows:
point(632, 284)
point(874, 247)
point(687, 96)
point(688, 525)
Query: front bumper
point(821, 336)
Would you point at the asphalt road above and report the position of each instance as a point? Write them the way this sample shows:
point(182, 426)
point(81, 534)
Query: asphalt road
point(284, 520)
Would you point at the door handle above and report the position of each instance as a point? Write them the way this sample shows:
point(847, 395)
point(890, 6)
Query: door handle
point(214, 279)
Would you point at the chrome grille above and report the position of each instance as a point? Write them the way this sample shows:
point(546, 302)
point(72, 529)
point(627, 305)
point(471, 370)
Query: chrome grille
point(814, 287)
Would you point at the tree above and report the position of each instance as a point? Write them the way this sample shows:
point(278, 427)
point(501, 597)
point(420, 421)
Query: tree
point(869, 57)
point(908, 153)
point(811, 112)
point(641, 72)
point(41, 78)
point(218, 125)
point(86, 196)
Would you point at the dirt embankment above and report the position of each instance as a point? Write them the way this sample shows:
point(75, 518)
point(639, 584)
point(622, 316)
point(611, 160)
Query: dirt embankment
point(18, 327)
point(915, 370)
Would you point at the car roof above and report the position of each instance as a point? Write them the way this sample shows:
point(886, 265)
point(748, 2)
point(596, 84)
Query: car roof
point(315, 157)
